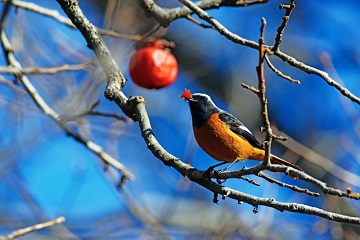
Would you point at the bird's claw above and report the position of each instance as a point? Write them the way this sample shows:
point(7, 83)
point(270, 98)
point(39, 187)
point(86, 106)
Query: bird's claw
point(210, 170)
point(218, 180)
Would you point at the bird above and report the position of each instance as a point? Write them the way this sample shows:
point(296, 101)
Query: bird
point(223, 136)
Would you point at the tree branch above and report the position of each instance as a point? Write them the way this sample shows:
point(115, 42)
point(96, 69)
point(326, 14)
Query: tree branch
point(24, 231)
point(262, 95)
point(292, 187)
point(50, 70)
point(135, 106)
point(280, 31)
point(280, 74)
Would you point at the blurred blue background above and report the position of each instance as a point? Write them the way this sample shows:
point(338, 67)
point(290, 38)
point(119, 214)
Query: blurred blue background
point(45, 174)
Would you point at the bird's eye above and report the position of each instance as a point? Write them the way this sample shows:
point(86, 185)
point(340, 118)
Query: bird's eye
point(203, 99)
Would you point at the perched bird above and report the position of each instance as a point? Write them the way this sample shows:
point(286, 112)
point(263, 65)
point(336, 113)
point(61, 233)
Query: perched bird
point(223, 136)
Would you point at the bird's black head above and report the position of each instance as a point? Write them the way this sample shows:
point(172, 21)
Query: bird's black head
point(201, 107)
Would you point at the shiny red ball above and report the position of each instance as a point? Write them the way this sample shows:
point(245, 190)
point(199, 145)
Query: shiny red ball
point(153, 66)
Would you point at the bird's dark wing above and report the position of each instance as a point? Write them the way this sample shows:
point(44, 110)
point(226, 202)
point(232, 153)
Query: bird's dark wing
point(237, 127)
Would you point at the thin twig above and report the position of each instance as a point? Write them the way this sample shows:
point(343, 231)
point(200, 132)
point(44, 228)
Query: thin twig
point(262, 95)
point(279, 73)
point(11, 85)
point(292, 187)
point(280, 138)
point(190, 18)
point(251, 88)
point(50, 70)
point(24, 231)
point(280, 31)
point(242, 3)
point(95, 113)
point(250, 181)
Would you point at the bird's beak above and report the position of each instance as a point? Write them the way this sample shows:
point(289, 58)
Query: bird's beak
point(187, 96)
point(191, 99)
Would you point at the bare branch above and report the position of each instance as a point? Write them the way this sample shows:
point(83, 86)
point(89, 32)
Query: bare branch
point(11, 85)
point(262, 95)
point(91, 112)
point(292, 187)
point(280, 74)
point(24, 231)
point(51, 70)
point(242, 2)
point(190, 18)
point(280, 31)
point(250, 181)
point(251, 88)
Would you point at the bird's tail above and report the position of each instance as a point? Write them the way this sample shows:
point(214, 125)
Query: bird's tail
point(276, 160)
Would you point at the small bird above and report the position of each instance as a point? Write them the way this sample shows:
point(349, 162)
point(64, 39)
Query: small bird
point(223, 136)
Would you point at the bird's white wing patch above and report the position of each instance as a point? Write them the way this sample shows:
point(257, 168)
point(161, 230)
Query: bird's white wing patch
point(245, 129)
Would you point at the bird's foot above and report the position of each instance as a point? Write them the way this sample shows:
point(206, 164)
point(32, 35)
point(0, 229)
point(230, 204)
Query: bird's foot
point(216, 173)
point(218, 180)
point(208, 172)
point(212, 169)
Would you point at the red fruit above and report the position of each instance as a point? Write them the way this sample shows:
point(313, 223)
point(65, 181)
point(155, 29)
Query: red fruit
point(153, 66)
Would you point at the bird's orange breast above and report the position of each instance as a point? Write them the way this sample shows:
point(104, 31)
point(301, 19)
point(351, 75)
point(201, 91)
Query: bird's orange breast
point(217, 140)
